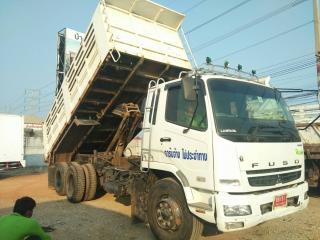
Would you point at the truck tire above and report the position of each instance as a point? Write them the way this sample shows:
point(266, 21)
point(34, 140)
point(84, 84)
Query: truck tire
point(60, 176)
point(75, 183)
point(51, 176)
point(91, 181)
point(168, 213)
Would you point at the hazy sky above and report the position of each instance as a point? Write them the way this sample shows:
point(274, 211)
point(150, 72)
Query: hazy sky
point(29, 33)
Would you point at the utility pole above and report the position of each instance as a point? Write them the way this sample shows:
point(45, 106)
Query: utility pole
point(317, 42)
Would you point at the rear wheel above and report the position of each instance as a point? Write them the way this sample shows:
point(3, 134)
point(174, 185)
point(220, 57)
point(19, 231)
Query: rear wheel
point(168, 213)
point(75, 183)
point(91, 182)
point(60, 177)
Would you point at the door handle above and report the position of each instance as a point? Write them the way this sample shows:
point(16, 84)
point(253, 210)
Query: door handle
point(165, 139)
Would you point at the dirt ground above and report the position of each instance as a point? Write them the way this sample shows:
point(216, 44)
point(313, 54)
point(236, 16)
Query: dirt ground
point(105, 218)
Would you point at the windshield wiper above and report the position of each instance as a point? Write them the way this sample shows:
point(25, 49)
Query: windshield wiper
point(290, 130)
point(265, 128)
point(275, 131)
point(253, 130)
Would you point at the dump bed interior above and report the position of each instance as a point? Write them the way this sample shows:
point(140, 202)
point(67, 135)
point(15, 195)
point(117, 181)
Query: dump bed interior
point(128, 43)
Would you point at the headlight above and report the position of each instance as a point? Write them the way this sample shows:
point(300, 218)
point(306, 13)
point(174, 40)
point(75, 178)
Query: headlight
point(237, 210)
point(230, 182)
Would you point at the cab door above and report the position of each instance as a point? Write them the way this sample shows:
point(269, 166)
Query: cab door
point(174, 143)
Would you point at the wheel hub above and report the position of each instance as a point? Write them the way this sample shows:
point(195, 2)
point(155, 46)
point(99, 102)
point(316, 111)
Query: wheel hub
point(168, 214)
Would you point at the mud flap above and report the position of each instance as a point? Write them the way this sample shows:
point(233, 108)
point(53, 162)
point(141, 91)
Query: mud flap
point(138, 199)
point(140, 185)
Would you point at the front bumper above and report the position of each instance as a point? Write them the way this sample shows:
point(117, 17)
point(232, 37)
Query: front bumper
point(260, 206)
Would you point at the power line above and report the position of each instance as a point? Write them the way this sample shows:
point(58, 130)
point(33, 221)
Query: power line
point(285, 61)
point(18, 108)
point(45, 95)
point(46, 85)
point(292, 70)
point(195, 6)
point(291, 65)
point(294, 77)
point(216, 17)
point(46, 103)
point(292, 82)
point(248, 25)
point(19, 98)
point(265, 40)
point(288, 65)
point(19, 102)
point(276, 72)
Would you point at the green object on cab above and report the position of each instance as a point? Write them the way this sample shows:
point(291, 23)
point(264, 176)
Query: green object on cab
point(299, 151)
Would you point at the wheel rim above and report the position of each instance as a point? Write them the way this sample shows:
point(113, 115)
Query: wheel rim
point(168, 214)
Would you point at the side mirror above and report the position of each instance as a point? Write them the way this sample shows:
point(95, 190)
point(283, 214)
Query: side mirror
point(190, 85)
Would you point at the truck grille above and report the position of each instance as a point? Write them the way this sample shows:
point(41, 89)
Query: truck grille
point(272, 180)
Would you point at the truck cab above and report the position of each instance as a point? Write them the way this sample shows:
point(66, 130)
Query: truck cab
point(234, 148)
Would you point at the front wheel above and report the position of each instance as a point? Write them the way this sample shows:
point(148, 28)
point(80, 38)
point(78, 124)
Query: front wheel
point(168, 213)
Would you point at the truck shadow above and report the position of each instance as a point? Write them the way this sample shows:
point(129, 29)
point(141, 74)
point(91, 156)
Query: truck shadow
point(126, 200)
point(22, 172)
point(210, 230)
point(83, 221)
point(314, 192)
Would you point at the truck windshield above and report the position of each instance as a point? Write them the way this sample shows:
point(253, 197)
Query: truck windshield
point(246, 112)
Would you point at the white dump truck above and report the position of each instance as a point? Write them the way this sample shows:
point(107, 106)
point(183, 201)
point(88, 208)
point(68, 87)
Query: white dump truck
point(11, 142)
point(217, 146)
point(307, 121)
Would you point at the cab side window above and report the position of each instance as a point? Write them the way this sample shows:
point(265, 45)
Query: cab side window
point(180, 111)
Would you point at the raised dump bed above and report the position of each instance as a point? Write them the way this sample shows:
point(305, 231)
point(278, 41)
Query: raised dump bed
point(127, 44)
point(307, 120)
